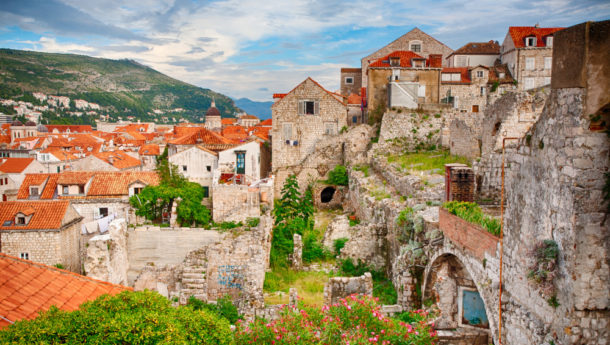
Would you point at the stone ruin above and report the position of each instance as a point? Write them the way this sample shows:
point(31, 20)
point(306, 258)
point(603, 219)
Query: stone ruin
point(341, 287)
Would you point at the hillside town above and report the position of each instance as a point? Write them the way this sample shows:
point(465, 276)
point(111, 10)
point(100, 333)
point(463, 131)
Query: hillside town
point(473, 183)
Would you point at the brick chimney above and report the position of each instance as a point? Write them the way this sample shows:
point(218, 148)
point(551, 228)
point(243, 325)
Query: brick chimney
point(436, 60)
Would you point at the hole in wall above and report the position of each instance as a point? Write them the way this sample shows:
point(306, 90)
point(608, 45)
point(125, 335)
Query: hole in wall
point(327, 194)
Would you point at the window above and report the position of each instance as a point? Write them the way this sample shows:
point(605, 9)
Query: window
point(549, 41)
point(20, 220)
point(354, 119)
point(501, 75)
point(482, 90)
point(81, 189)
point(208, 168)
point(24, 256)
point(475, 108)
point(394, 61)
point(33, 191)
point(530, 41)
point(137, 190)
point(456, 77)
point(415, 46)
point(480, 74)
point(445, 77)
point(330, 128)
point(287, 131)
point(530, 63)
point(206, 192)
point(103, 212)
point(1, 182)
point(547, 80)
point(66, 190)
point(349, 80)
point(529, 83)
point(184, 168)
point(309, 108)
point(548, 62)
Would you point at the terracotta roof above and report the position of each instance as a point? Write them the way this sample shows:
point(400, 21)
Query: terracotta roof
point(201, 135)
point(27, 288)
point(354, 99)
point(478, 48)
point(15, 165)
point(250, 117)
point(149, 150)
point(72, 128)
point(227, 121)
point(464, 75)
point(112, 183)
point(218, 147)
point(235, 132)
point(267, 122)
point(405, 57)
point(279, 95)
point(46, 214)
point(118, 159)
point(134, 127)
point(48, 180)
point(207, 150)
point(519, 33)
point(351, 70)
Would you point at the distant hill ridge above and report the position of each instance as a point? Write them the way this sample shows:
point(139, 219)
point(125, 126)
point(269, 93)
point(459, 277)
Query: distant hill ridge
point(124, 87)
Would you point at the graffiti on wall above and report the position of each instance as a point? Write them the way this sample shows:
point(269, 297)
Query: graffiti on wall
point(231, 276)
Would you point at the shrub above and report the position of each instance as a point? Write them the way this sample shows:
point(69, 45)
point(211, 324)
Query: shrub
point(338, 176)
point(544, 268)
point(143, 317)
point(471, 212)
point(339, 244)
point(224, 308)
point(354, 320)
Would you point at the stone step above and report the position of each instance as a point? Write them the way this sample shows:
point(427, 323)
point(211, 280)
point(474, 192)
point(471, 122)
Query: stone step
point(193, 280)
point(188, 292)
point(194, 275)
point(194, 286)
point(199, 270)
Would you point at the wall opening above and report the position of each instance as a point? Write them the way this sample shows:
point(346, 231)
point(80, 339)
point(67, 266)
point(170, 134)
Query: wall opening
point(327, 194)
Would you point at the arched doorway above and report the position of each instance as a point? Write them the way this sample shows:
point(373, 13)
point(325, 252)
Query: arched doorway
point(327, 194)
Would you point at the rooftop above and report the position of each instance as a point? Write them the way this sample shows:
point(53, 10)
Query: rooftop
point(46, 214)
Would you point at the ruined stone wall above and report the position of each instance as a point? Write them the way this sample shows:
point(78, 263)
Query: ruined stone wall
point(554, 191)
point(379, 78)
point(106, 255)
point(235, 202)
point(464, 140)
point(410, 128)
point(341, 287)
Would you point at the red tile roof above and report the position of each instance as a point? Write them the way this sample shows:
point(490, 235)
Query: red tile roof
point(478, 48)
point(249, 117)
point(15, 165)
point(338, 97)
point(351, 70)
point(464, 75)
point(134, 127)
point(72, 128)
point(279, 95)
point(199, 136)
point(227, 121)
point(118, 159)
point(47, 181)
point(46, 215)
point(107, 184)
point(267, 122)
point(519, 33)
point(235, 133)
point(27, 288)
point(149, 150)
point(405, 57)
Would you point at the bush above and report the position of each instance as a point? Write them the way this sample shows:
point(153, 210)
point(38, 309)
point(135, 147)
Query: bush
point(143, 317)
point(339, 244)
point(354, 320)
point(471, 212)
point(338, 176)
point(224, 308)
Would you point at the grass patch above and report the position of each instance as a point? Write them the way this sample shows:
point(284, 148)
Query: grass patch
point(309, 285)
point(426, 160)
point(471, 212)
point(382, 286)
point(364, 168)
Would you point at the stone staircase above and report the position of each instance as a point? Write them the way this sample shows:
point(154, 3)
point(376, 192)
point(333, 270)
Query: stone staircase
point(193, 277)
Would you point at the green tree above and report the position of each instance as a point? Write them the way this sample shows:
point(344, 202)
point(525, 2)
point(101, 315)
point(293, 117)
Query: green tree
point(143, 317)
point(288, 207)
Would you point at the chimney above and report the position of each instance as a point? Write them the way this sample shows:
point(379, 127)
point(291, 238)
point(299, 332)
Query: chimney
point(436, 60)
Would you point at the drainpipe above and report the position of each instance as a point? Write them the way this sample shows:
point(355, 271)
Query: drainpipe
point(502, 240)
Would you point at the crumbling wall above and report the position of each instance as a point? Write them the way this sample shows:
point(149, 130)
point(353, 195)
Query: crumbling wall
point(464, 140)
point(236, 203)
point(341, 287)
point(408, 129)
point(106, 258)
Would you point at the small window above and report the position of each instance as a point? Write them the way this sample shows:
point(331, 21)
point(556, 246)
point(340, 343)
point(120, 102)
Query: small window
point(445, 77)
point(530, 63)
point(349, 80)
point(548, 62)
point(501, 75)
point(33, 191)
point(416, 47)
point(24, 256)
point(475, 108)
point(103, 212)
point(20, 220)
point(206, 192)
point(549, 41)
point(1, 182)
point(480, 74)
point(309, 108)
point(530, 41)
point(482, 90)
point(66, 190)
point(394, 61)
point(329, 129)
point(137, 190)
point(184, 168)
point(529, 83)
point(208, 168)
point(354, 119)
point(81, 189)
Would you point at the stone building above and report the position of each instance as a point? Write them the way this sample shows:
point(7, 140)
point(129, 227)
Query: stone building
point(416, 41)
point(403, 79)
point(528, 52)
point(41, 231)
point(248, 120)
point(12, 172)
point(465, 88)
point(302, 118)
point(474, 54)
point(212, 118)
point(351, 81)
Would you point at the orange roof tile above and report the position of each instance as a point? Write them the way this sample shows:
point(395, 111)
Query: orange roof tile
point(27, 288)
point(134, 127)
point(47, 181)
point(149, 150)
point(236, 132)
point(72, 128)
point(117, 159)
point(249, 117)
point(404, 57)
point(267, 122)
point(519, 33)
point(74, 177)
point(46, 214)
point(201, 136)
point(15, 165)
point(227, 121)
point(117, 183)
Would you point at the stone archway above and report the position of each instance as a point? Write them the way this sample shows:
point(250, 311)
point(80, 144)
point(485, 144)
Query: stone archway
point(327, 194)
point(454, 287)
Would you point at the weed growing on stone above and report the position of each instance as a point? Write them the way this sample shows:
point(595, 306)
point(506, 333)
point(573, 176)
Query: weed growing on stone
point(471, 212)
point(364, 168)
point(339, 243)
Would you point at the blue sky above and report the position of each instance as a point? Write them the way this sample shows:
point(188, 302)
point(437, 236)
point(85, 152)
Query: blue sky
point(253, 48)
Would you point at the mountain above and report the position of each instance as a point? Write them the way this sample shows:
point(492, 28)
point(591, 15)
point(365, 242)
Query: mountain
point(121, 87)
point(260, 109)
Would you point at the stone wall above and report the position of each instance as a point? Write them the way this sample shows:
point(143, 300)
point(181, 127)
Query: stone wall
point(471, 237)
point(410, 128)
point(341, 287)
point(106, 257)
point(354, 87)
point(379, 77)
point(464, 140)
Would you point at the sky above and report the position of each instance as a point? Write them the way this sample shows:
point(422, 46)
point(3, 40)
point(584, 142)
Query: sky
point(254, 48)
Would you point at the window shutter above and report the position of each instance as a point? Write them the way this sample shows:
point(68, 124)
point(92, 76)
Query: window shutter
point(316, 108)
point(301, 107)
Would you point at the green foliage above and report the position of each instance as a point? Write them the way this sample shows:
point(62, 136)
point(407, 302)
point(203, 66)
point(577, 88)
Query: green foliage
point(253, 221)
point(228, 225)
point(288, 207)
point(411, 317)
point(471, 212)
point(339, 243)
point(343, 130)
point(382, 286)
point(354, 221)
point(355, 320)
point(495, 85)
point(421, 161)
point(364, 168)
point(375, 115)
point(313, 249)
point(143, 317)
point(553, 301)
point(224, 308)
point(544, 268)
point(338, 176)
point(60, 266)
